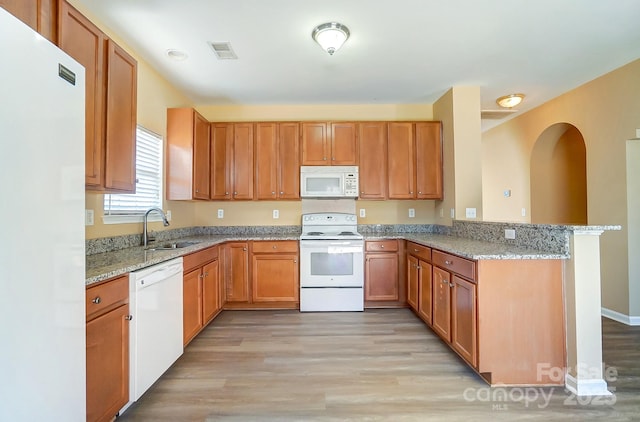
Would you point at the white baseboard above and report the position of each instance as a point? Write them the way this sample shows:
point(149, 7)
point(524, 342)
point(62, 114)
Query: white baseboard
point(586, 387)
point(617, 316)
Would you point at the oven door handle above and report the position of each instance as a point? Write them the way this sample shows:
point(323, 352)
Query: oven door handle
point(305, 244)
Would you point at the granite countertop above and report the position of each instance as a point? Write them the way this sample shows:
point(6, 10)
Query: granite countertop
point(103, 266)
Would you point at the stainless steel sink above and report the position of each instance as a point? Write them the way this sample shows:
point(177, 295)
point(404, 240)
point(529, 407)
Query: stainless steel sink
point(172, 245)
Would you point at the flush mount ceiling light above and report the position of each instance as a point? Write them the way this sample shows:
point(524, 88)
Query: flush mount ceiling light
point(177, 55)
point(511, 100)
point(330, 36)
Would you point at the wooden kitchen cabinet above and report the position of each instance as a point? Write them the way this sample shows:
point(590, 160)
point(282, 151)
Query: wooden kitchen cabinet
point(110, 102)
point(372, 140)
point(381, 271)
point(442, 303)
point(200, 293)
point(463, 319)
point(236, 272)
point(274, 271)
point(400, 161)
point(419, 280)
point(188, 154)
point(107, 353)
point(232, 169)
point(277, 163)
point(40, 15)
point(329, 143)
point(428, 160)
point(412, 282)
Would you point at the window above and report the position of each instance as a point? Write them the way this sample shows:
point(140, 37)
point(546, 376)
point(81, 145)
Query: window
point(123, 208)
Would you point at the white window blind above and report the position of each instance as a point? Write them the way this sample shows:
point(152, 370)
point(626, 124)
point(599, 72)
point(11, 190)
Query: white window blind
point(148, 178)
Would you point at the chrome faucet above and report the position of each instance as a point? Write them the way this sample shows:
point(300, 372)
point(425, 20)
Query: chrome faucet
point(145, 236)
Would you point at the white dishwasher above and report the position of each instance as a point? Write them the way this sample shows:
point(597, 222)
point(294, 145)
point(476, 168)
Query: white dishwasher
point(156, 327)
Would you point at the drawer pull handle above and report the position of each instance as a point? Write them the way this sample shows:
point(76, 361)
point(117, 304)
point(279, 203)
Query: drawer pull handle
point(381, 246)
point(450, 284)
point(447, 262)
point(416, 250)
point(274, 247)
point(129, 317)
point(97, 300)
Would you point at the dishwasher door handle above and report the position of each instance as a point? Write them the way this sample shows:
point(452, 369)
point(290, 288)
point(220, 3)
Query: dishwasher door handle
point(158, 275)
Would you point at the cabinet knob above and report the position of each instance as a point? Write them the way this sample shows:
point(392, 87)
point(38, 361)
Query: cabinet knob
point(97, 300)
point(324, 158)
point(420, 192)
point(197, 191)
point(226, 193)
point(235, 193)
point(295, 261)
point(129, 317)
point(445, 282)
point(273, 193)
point(206, 274)
point(450, 284)
point(447, 262)
point(281, 193)
point(244, 249)
point(381, 246)
point(274, 247)
point(415, 250)
point(411, 192)
point(333, 158)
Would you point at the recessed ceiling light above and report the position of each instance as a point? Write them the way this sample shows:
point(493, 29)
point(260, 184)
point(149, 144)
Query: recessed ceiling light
point(177, 55)
point(510, 100)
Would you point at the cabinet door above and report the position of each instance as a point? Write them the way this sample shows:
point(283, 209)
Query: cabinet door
point(242, 170)
point(344, 144)
point(442, 303)
point(107, 364)
point(289, 160)
point(275, 278)
point(428, 160)
point(463, 318)
point(83, 41)
point(372, 141)
point(381, 276)
point(120, 142)
point(25, 10)
point(266, 157)
point(192, 304)
point(315, 150)
point(424, 287)
point(210, 300)
point(401, 161)
point(237, 272)
point(221, 159)
point(412, 282)
point(201, 157)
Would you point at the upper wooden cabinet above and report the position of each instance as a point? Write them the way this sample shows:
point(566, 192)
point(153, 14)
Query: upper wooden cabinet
point(40, 15)
point(242, 165)
point(333, 143)
point(428, 160)
point(231, 161)
point(414, 161)
point(188, 153)
point(277, 163)
point(373, 151)
point(221, 155)
point(111, 97)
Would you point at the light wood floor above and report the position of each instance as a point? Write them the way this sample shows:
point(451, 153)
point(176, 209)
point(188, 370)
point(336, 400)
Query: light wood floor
point(380, 365)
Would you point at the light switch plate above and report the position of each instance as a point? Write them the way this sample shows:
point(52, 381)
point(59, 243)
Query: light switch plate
point(220, 213)
point(88, 217)
point(363, 213)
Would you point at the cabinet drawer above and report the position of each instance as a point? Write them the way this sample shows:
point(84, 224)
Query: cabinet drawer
point(290, 246)
point(198, 259)
point(455, 264)
point(381, 245)
point(422, 252)
point(106, 296)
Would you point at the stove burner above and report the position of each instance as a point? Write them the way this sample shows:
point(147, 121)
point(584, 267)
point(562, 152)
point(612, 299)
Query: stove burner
point(346, 234)
point(314, 233)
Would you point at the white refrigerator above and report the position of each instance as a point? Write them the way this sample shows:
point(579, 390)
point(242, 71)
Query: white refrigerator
point(42, 253)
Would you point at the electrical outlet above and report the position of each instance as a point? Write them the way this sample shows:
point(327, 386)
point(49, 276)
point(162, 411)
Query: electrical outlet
point(509, 233)
point(524, 212)
point(471, 213)
point(452, 213)
point(276, 214)
point(168, 214)
point(88, 217)
point(441, 212)
point(412, 212)
point(507, 193)
point(363, 213)
point(220, 213)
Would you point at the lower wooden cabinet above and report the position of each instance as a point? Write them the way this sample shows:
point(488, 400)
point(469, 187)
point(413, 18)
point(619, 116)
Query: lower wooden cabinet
point(107, 354)
point(412, 282)
point(236, 272)
point(464, 319)
point(200, 293)
point(425, 291)
point(381, 271)
point(419, 280)
point(442, 303)
point(274, 271)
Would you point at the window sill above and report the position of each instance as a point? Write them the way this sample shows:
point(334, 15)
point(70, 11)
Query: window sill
point(129, 218)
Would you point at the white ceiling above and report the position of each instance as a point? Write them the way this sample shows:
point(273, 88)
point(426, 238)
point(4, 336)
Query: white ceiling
point(400, 51)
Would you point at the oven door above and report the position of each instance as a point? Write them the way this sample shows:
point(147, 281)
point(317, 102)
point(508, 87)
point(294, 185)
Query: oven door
point(331, 263)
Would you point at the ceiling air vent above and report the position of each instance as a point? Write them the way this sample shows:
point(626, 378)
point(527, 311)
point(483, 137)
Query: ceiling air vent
point(223, 50)
point(496, 114)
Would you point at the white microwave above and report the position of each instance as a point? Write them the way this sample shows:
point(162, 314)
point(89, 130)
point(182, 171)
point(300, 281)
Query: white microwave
point(329, 181)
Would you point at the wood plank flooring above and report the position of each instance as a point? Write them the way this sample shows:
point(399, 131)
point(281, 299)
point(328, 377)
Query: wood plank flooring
point(379, 365)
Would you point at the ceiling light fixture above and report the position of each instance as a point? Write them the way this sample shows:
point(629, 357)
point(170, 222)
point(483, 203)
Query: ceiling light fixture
point(509, 101)
point(177, 55)
point(330, 36)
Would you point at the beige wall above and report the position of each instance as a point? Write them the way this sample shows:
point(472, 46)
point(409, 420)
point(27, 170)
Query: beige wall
point(606, 111)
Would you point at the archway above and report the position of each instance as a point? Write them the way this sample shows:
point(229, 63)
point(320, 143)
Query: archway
point(559, 177)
